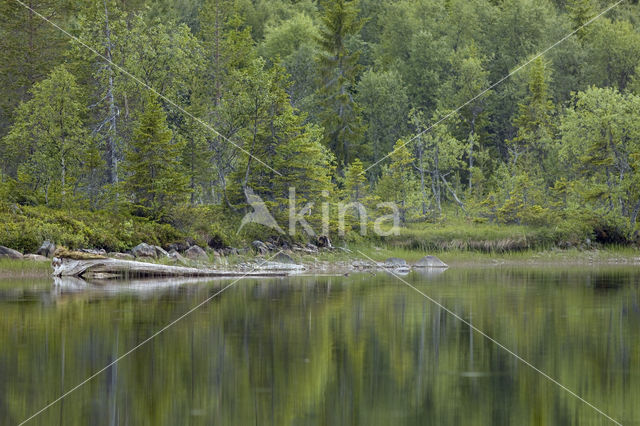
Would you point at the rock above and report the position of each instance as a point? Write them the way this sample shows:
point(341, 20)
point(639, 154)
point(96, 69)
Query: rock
point(284, 258)
point(99, 252)
point(7, 253)
point(35, 257)
point(123, 256)
point(361, 264)
point(173, 254)
point(430, 262)
point(260, 247)
point(395, 262)
point(312, 247)
point(144, 250)
point(47, 249)
point(160, 252)
point(196, 253)
point(179, 247)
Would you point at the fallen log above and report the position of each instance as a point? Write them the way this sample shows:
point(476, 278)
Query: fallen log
point(107, 268)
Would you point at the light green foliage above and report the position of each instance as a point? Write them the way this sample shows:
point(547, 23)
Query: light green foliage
point(601, 147)
point(384, 102)
point(398, 184)
point(293, 43)
point(613, 50)
point(469, 78)
point(438, 157)
point(155, 180)
point(354, 181)
point(48, 141)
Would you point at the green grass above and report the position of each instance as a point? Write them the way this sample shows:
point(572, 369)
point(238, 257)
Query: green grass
point(610, 255)
point(27, 268)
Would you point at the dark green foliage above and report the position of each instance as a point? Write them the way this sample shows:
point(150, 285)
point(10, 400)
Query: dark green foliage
point(155, 180)
point(340, 115)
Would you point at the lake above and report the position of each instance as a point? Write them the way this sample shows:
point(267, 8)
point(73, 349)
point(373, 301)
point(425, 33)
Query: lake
point(357, 350)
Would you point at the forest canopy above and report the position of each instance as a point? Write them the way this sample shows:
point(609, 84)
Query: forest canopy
point(154, 107)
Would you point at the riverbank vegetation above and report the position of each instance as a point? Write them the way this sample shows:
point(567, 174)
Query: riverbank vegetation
point(183, 111)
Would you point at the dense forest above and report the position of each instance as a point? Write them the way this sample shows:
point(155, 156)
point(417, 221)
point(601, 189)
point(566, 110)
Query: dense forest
point(121, 119)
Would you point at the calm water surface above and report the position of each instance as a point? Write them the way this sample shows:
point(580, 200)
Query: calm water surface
point(358, 350)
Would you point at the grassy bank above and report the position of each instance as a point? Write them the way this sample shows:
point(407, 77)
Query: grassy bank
point(11, 268)
point(455, 240)
point(455, 257)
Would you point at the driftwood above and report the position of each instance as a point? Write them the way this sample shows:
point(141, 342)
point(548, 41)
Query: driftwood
point(107, 268)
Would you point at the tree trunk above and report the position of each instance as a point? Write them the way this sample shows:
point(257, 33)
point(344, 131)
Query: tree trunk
point(111, 135)
point(471, 142)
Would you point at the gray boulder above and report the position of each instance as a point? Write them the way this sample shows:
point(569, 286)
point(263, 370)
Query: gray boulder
point(7, 253)
point(361, 264)
point(173, 254)
point(144, 250)
point(430, 262)
point(395, 262)
point(47, 249)
point(160, 252)
point(35, 257)
point(260, 247)
point(284, 258)
point(196, 253)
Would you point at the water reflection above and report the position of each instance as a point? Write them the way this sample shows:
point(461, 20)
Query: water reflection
point(326, 350)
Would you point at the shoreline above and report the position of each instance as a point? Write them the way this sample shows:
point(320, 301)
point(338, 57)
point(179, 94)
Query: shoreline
point(340, 262)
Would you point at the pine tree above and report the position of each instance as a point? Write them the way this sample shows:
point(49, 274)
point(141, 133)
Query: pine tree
point(580, 12)
point(155, 178)
point(397, 183)
point(277, 135)
point(46, 143)
point(354, 181)
point(535, 119)
point(339, 114)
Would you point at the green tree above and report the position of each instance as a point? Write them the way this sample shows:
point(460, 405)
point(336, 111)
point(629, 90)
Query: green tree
point(154, 179)
point(397, 184)
point(293, 41)
point(438, 154)
point(535, 120)
point(384, 101)
point(601, 146)
point(340, 115)
point(580, 12)
point(47, 142)
point(354, 181)
point(468, 79)
point(228, 50)
point(613, 49)
point(29, 49)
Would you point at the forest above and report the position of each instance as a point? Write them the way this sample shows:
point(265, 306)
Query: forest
point(124, 121)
